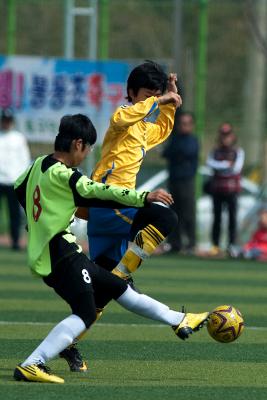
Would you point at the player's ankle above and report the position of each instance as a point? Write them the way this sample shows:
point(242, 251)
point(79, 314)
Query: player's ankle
point(120, 274)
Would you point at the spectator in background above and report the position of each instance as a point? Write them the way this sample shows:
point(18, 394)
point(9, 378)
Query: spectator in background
point(182, 153)
point(256, 247)
point(14, 159)
point(226, 160)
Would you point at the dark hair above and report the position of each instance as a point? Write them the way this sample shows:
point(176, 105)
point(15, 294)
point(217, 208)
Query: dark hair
point(149, 75)
point(73, 127)
point(7, 115)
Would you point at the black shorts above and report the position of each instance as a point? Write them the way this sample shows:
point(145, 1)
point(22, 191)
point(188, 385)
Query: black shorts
point(76, 275)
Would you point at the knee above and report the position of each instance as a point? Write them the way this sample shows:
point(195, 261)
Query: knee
point(170, 220)
point(105, 262)
point(88, 317)
point(84, 307)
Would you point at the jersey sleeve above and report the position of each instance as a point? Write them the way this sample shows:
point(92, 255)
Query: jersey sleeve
point(88, 193)
point(126, 116)
point(20, 187)
point(159, 131)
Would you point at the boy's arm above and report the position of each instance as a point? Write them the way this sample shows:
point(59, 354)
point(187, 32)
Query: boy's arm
point(168, 103)
point(126, 116)
point(159, 131)
point(88, 193)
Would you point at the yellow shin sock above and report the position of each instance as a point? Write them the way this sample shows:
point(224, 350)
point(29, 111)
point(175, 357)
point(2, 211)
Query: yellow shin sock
point(143, 246)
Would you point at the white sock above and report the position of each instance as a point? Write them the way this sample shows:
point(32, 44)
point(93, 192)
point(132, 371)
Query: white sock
point(149, 308)
point(61, 336)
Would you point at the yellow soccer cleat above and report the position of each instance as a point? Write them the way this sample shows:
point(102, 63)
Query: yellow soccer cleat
point(190, 324)
point(36, 373)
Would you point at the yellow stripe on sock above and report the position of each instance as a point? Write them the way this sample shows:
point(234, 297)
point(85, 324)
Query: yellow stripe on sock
point(154, 233)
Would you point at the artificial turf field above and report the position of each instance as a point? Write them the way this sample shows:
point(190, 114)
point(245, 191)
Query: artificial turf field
point(132, 358)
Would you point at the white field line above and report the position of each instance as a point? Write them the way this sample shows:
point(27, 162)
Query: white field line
point(107, 324)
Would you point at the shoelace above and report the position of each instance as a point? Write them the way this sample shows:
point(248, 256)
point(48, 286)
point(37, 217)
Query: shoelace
point(44, 368)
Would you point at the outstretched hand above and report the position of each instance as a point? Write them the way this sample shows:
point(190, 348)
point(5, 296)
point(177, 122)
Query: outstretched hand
point(160, 195)
point(171, 87)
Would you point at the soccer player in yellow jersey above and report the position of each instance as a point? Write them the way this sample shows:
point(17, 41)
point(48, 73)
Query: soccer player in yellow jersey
point(129, 136)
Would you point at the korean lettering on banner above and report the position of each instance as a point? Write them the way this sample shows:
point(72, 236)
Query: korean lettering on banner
point(11, 89)
point(41, 91)
point(96, 92)
point(58, 92)
point(74, 90)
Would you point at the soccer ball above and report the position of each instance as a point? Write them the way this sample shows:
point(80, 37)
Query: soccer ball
point(225, 324)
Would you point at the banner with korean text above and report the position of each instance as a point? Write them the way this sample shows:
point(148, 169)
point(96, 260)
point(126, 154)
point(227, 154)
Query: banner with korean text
point(41, 90)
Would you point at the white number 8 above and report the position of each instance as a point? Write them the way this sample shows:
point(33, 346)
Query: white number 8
point(86, 276)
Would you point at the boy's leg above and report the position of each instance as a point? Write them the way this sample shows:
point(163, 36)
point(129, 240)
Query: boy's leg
point(60, 337)
point(217, 214)
point(147, 227)
point(108, 286)
point(232, 211)
point(189, 213)
point(151, 225)
point(108, 235)
point(175, 238)
point(72, 281)
point(14, 216)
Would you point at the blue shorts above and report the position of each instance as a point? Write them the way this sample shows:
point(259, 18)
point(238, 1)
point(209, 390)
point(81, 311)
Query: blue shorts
point(109, 231)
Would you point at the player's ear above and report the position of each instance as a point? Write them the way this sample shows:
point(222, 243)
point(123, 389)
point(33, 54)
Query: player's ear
point(78, 144)
point(131, 94)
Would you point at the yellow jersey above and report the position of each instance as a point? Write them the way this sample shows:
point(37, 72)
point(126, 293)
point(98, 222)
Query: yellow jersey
point(128, 138)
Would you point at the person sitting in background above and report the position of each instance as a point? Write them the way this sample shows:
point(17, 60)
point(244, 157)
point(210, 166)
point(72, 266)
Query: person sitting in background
point(226, 161)
point(182, 156)
point(256, 247)
point(15, 158)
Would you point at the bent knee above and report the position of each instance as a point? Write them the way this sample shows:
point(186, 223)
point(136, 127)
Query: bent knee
point(88, 317)
point(84, 307)
point(170, 220)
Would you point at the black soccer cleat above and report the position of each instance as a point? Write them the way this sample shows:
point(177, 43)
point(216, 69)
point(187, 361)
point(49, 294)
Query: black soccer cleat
point(74, 358)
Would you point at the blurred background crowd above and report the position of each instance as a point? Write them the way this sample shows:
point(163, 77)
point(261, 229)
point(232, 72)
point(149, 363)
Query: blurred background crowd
point(215, 161)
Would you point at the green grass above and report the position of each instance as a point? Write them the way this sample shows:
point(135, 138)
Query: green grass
point(132, 358)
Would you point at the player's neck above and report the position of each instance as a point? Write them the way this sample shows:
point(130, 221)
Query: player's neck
point(65, 158)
